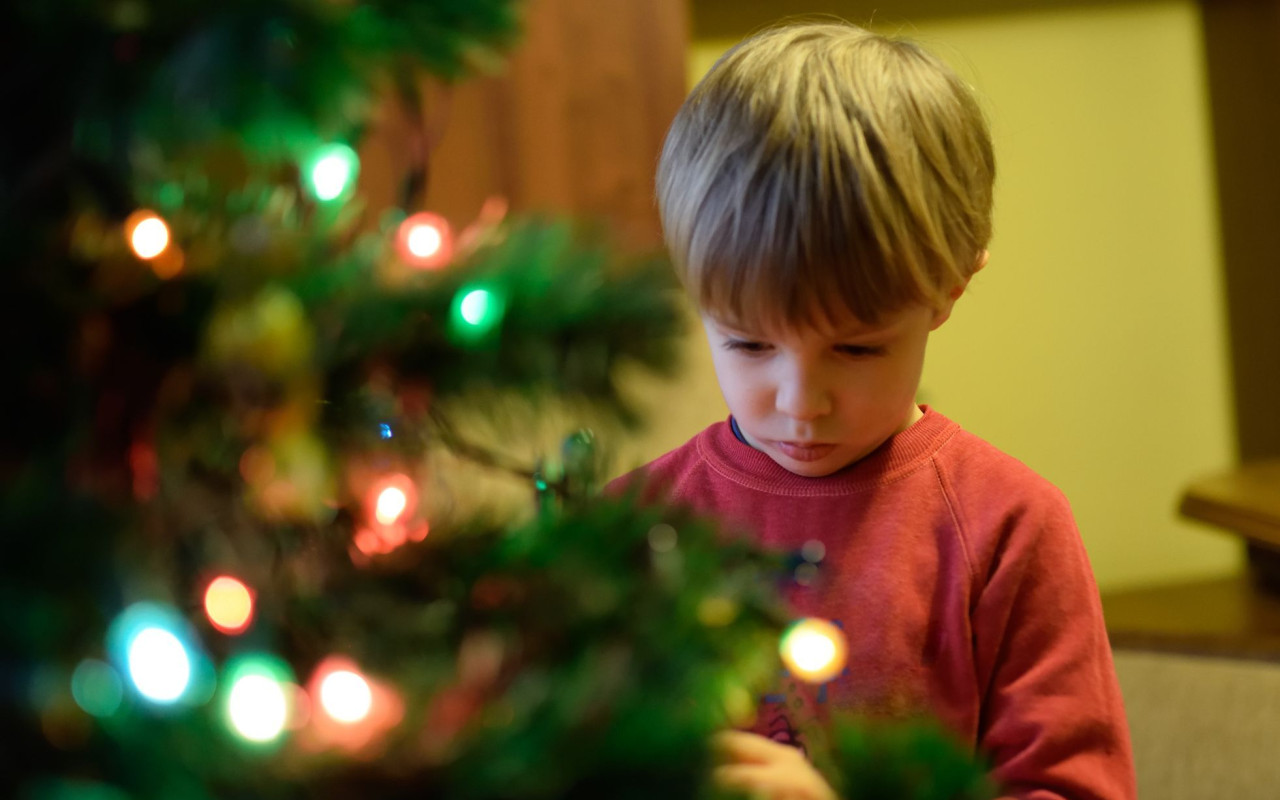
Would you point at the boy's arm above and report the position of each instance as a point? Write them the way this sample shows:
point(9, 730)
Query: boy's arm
point(1053, 721)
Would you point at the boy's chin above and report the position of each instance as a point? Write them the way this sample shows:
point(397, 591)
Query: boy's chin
point(811, 469)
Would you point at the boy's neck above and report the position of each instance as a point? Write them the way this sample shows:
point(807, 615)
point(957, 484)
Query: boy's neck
point(915, 416)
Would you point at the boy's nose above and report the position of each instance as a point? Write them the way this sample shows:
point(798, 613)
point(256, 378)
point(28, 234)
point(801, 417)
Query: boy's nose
point(803, 398)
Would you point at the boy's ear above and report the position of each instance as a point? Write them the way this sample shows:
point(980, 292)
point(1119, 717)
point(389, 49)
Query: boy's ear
point(981, 262)
point(944, 313)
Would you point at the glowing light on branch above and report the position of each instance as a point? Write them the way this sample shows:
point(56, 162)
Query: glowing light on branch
point(257, 708)
point(348, 709)
point(331, 172)
point(153, 645)
point(159, 665)
point(147, 233)
point(229, 604)
point(477, 307)
point(814, 650)
point(477, 310)
point(259, 705)
point(425, 240)
point(345, 696)
point(392, 499)
point(391, 504)
point(96, 687)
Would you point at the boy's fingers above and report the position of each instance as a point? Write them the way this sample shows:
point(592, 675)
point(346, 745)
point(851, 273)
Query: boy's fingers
point(748, 778)
point(740, 747)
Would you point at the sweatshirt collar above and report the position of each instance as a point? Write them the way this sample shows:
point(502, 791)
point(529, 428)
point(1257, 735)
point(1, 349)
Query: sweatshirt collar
point(898, 456)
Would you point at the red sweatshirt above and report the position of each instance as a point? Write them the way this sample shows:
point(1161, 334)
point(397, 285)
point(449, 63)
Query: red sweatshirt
point(962, 586)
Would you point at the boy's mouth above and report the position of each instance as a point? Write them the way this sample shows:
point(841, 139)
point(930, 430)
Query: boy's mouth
point(804, 451)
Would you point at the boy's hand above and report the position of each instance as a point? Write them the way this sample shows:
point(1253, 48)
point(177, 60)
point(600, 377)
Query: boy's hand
point(764, 768)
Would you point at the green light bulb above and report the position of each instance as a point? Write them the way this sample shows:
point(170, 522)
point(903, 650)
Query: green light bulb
point(476, 306)
point(331, 172)
point(476, 311)
point(259, 702)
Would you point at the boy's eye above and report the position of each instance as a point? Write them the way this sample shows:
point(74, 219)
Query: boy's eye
point(745, 346)
point(860, 350)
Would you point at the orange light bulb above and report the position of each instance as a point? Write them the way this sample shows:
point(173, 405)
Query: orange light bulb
point(147, 233)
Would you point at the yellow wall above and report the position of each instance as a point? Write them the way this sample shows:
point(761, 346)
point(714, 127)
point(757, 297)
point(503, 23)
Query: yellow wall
point(1093, 346)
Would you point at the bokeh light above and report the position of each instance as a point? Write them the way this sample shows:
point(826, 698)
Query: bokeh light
point(258, 708)
point(367, 541)
point(813, 551)
point(476, 307)
point(96, 687)
point(332, 171)
point(391, 500)
point(147, 233)
point(476, 312)
point(814, 650)
point(345, 696)
point(717, 612)
point(260, 702)
point(229, 604)
point(154, 646)
point(159, 665)
point(347, 709)
point(663, 538)
point(391, 504)
point(425, 240)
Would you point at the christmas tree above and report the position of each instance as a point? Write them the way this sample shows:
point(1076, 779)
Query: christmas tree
point(244, 556)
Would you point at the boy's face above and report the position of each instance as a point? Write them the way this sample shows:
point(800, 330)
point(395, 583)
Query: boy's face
point(815, 401)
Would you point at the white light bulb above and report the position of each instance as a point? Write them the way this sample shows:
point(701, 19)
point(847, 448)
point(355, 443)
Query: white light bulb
point(150, 237)
point(474, 306)
point(391, 504)
point(330, 176)
point(159, 665)
point(346, 696)
point(258, 708)
point(812, 651)
point(424, 241)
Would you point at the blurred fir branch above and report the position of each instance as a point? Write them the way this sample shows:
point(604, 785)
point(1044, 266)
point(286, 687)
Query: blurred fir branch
point(905, 760)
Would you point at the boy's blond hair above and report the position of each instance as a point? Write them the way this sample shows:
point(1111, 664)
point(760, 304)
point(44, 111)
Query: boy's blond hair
point(824, 168)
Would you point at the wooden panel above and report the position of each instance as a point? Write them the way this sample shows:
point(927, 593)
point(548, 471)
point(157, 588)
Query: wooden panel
point(1242, 40)
point(736, 18)
point(574, 122)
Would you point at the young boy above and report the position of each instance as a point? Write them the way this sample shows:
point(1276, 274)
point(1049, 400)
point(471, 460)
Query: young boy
point(826, 195)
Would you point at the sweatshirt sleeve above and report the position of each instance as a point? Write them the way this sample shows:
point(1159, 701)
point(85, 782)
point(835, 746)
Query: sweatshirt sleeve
point(1053, 722)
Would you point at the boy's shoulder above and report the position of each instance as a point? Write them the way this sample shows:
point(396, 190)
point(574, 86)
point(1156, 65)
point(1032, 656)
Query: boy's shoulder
point(970, 462)
point(989, 461)
point(661, 474)
point(992, 493)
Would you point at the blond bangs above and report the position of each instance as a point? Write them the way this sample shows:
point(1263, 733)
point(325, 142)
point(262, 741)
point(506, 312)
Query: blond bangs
point(784, 261)
point(825, 169)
